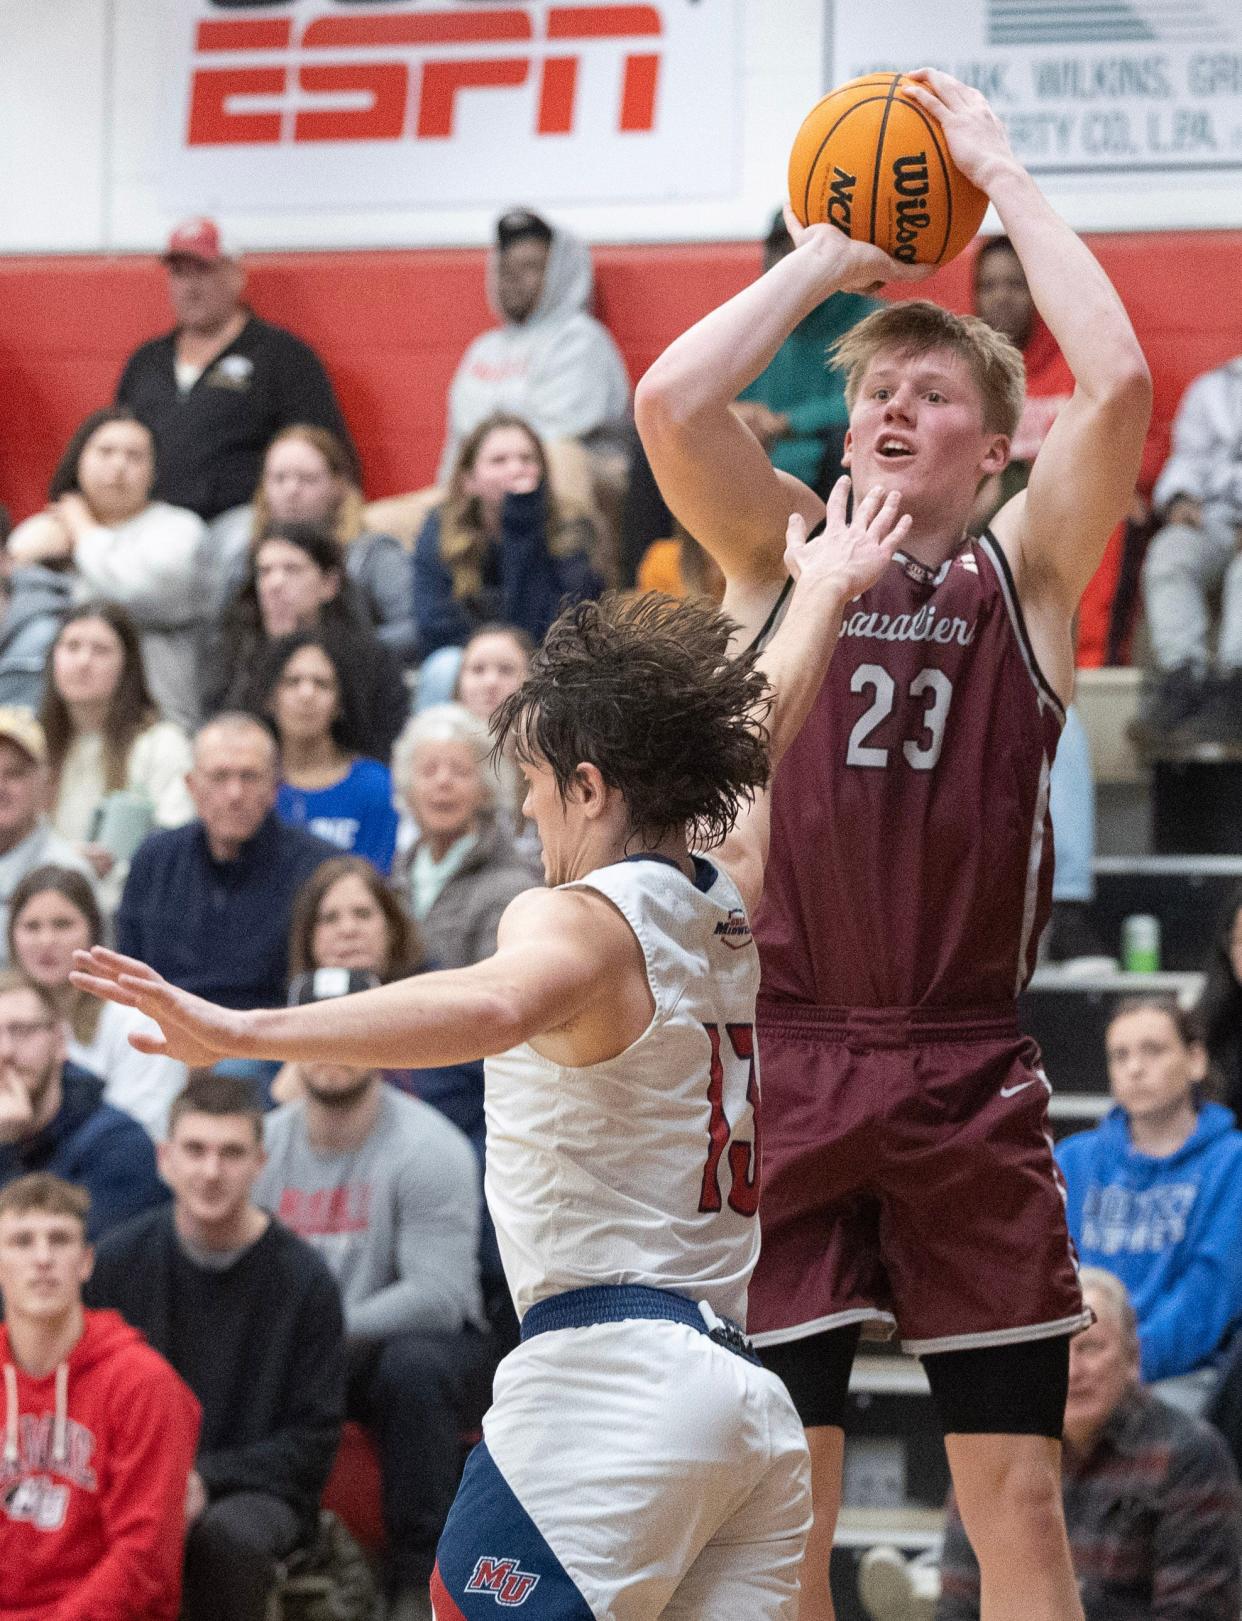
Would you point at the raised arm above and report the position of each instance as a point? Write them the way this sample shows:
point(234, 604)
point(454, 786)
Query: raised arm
point(828, 571)
point(712, 470)
point(1083, 480)
point(561, 954)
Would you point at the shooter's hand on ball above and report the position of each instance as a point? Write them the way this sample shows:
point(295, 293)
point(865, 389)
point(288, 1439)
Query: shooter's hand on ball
point(192, 1030)
point(977, 140)
point(849, 554)
point(850, 266)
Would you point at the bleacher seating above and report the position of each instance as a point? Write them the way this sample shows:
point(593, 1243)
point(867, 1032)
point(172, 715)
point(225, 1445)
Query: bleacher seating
point(391, 327)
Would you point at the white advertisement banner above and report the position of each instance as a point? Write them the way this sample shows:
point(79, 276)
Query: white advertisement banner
point(337, 105)
point(1091, 91)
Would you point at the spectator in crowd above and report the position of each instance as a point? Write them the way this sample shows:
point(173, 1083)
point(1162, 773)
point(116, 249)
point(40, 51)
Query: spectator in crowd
point(116, 768)
point(550, 361)
point(1003, 299)
point(102, 536)
point(1152, 1504)
point(463, 870)
point(53, 914)
point(305, 687)
point(500, 548)
point(1198, 498)
point(196, 1277)
point(33, 601)
point(347, 920)
point(1219, 1012)
point(27, 837)
point(309, 477)
point(53, 1116)
point(217, 388)
point(796, 407)
point(387, 1190)
point(1155, 1195)
point(99, 1432)
point(209, 903)
point(494, 663)
point(297, 580)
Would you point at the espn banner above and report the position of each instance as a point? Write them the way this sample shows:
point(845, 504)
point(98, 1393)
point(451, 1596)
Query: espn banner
point(353, 104)
point(1090, 90)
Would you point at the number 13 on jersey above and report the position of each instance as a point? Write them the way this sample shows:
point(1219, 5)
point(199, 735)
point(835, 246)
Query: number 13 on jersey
point(732, 1072)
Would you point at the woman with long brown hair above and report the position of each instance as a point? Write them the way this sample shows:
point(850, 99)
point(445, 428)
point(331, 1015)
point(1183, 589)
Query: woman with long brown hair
point(296, 579)
point(52, 914)
point(501, 547)
point(105, 739)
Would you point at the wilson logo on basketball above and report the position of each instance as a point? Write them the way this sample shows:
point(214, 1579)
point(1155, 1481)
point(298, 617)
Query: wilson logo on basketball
point(397, 73)
point(503, 1580)
point(910, 184)
point(734, 931)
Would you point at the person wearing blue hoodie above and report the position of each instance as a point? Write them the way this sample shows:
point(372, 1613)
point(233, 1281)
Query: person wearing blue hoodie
point(1155, 1193)
point(53, 1117)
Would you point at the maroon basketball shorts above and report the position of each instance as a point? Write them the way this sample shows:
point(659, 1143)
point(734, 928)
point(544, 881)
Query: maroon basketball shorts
point(909, 1180)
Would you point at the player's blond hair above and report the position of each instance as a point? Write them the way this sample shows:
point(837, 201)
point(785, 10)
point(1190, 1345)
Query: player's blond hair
point(919, 326)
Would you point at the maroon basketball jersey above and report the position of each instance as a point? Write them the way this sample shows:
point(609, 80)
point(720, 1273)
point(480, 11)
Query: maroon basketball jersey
point(911, 860)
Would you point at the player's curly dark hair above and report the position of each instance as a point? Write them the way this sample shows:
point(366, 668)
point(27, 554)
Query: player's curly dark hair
point(644, 688)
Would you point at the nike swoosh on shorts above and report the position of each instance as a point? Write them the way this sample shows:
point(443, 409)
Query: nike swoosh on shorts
point(1011, 1091)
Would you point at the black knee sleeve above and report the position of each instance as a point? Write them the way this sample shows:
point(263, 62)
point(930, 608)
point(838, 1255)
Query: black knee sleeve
point(1002, 1389)
point(816, 1372)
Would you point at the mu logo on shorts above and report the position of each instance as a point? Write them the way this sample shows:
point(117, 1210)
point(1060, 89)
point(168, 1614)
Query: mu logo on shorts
point(503, 1580)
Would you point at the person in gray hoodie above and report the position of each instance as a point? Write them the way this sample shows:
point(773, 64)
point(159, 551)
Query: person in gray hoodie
point(549, 361)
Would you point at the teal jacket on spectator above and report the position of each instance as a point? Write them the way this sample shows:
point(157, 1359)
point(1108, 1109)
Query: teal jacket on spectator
point(799, 383)
point(1170, 1228)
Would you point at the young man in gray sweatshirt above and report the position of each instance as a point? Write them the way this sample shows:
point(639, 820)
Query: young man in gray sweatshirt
point(387, 1190)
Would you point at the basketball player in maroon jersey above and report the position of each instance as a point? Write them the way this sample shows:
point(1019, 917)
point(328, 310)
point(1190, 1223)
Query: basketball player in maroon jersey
point(908, 1174)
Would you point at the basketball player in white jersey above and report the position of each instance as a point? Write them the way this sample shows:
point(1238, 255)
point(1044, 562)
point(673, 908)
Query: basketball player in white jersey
point(637, 1460)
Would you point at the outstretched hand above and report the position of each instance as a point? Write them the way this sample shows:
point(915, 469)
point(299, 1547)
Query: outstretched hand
point(192, 1030)
point(849, 554)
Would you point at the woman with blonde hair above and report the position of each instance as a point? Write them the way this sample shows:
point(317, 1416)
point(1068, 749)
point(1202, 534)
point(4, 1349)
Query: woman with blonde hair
point(501, 547)
point(309, 476)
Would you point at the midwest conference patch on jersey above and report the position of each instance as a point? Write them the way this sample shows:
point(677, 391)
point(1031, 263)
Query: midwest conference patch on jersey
point(734, 930)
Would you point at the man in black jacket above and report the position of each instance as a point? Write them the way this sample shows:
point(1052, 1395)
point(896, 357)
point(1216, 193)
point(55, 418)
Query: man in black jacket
point(250, 1317)
point(217, 389)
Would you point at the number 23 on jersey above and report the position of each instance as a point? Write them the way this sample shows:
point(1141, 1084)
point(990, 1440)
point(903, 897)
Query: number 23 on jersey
point(930, 685)
point(732, 1074)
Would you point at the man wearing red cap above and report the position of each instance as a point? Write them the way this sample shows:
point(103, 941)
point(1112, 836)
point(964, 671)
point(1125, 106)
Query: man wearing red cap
point(217, 388)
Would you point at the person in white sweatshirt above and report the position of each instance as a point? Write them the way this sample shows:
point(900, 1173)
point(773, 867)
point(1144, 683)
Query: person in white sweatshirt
point(549, 361)
point(103, 532)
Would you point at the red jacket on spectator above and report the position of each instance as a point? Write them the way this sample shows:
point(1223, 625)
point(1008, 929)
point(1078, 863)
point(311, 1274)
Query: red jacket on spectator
point(92, 1481)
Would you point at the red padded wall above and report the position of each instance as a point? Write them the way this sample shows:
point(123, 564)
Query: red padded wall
point(391, 326)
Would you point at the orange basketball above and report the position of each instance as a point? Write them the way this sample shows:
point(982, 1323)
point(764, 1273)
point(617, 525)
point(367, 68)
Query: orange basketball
point(870, 161)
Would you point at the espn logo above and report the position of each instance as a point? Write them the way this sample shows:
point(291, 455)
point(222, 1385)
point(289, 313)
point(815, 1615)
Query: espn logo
point(396, 74)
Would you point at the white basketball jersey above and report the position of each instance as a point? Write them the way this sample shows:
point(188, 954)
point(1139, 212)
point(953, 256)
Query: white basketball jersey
point(645, 1168)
